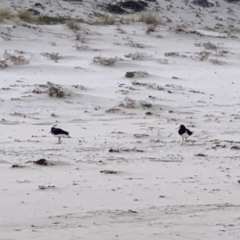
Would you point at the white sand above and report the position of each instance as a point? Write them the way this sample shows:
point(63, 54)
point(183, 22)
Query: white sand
point(164, 191)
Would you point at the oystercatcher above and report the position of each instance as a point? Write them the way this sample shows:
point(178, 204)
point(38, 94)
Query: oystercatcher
point(184, 133)
point(58, 132)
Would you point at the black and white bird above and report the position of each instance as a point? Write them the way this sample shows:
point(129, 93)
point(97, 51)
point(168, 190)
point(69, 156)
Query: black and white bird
point(184, 133)
point(59, 133)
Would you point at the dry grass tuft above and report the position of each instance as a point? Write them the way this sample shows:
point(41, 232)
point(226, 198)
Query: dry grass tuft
point(135, 45)
point(5, 13)
point(52, 56)
point(128, 103)
point(55, 91)
point(108, 19)
point(73, 25)
point(104, 61)
point(150, 29)
point(149, 18)
point(3, 64)
point(203, 55)
point(128, 19)
point(11, 59)
point(15, 60)
point(210, 46)
point(138, 56)
point(217, 62)
point(25, 15)
point(80, 37)
point(146, 104)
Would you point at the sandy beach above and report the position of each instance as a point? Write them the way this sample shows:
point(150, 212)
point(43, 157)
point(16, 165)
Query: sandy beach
point(120, 175)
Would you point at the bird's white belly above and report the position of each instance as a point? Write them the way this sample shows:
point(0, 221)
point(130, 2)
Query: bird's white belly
point(59, 135)
point(185, 135)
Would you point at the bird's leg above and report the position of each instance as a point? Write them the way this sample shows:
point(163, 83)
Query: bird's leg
point(182, 141)
point(185, 140)
point(59, 140)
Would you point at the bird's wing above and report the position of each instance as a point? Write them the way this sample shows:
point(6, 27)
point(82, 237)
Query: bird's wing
point(189, 132)
point(59, 131)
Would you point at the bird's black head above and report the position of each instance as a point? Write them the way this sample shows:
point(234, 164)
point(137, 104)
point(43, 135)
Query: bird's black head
point(53, 127)
point(182, 127)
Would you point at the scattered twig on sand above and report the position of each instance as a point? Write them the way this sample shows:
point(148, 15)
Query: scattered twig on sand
point(217, 61)
point(161, 196)
point(41, 161)
point(148, 113)
point(165, 160)
point(200, 155)
point(148, 85)
point(17, 166)
point(42, 187)
point(125, 150)
point(112, 110)
point(133, 74)
point(235, 147)
point(109, 172)
point(132, 211)
point(114, 150)
point(140, 135)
